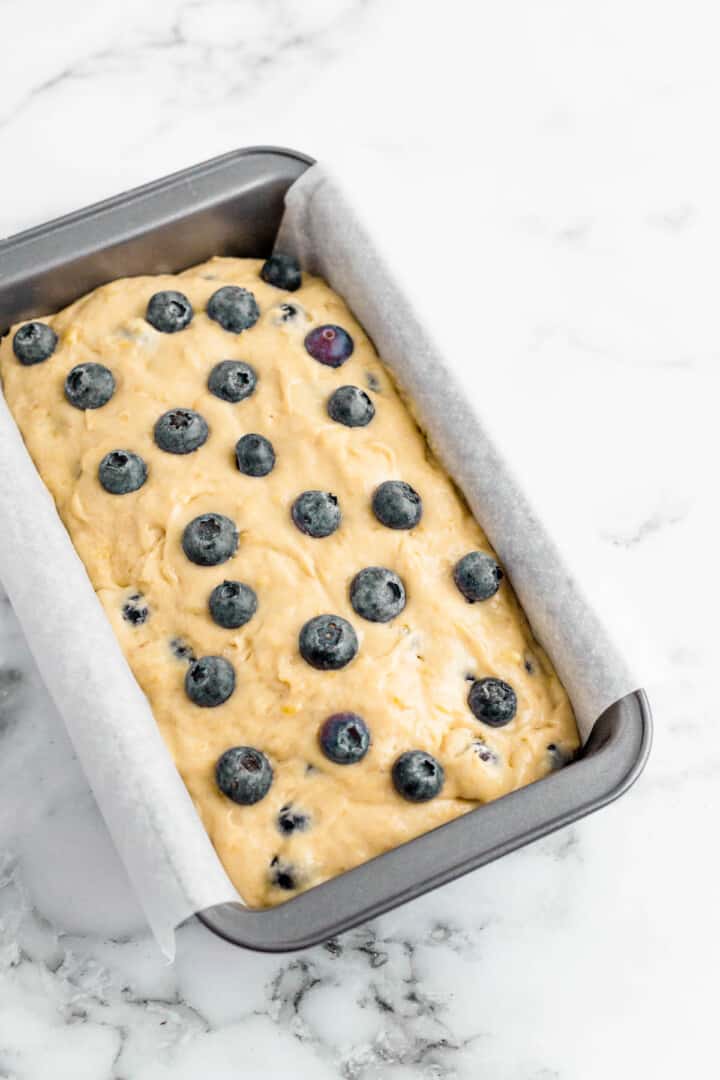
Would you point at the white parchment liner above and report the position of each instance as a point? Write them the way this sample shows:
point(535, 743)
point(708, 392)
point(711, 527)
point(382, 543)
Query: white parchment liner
point(149, 813)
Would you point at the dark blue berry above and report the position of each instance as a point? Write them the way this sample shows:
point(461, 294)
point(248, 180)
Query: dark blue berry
point(232, 380)
point(397, 505)
point(244, 774)
point(181, 431)
point(316, 513)
point(282, 874)
point(486, 753)
point(181, 650)
point(328, 642)
point(135, 610)
point(234, 308)
point(417, 776)
point(288, 313)
point(492, 701)
point(254, 455)
point(477, 576)
point(377, 594)
point(344, 738)
point(290, 820)
point(329, 345)
point(349, 405)
point(210, 681)
point(121, 472)
point(232, 604)
point(89, 386)
point(34, 342)
point(282, 271)
point(210, 539)
point(169, 311)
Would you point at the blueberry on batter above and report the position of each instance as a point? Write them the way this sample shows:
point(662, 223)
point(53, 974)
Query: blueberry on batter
point(316, 513)
point(135, 610)
point(121, 472)
point(377, 594)
point(232, 380)
point(255, 455)
point(486, 753)
point(234, 308)
point(397, 505)
point(290, 820)
point(169, 311)
point(344, 738)
point(181, 650)
point(330, 345)
point(477, 576)
point(244, 774)
point(282, 271)
point(417, 776)
point(210, 681)
point(181, 431)
point(328, 642)
point(287, 314)
point(210, 539)
point(89, 386)
point(232, 604)
point(492, 701)
point(282, 874)
point(34, 342)
point(351, 406)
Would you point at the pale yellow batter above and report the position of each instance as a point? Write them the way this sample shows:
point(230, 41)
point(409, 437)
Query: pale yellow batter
point(409, 680)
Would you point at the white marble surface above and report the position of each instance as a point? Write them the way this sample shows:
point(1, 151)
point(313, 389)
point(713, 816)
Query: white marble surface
point(562, 160)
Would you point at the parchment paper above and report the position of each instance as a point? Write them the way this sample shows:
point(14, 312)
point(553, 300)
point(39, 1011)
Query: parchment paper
point(149, 813)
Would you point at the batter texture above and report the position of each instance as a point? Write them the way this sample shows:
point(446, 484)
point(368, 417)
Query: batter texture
point(411, 675)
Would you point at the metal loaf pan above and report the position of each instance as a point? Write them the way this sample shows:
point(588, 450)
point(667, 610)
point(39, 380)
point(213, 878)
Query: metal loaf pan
point(232, 205)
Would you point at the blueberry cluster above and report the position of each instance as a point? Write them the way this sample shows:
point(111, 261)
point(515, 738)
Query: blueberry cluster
point(326, 642)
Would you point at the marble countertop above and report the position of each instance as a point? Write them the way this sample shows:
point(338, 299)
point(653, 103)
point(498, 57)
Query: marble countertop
point(551, 169)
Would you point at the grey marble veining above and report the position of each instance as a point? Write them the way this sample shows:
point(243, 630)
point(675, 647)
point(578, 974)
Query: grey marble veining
point(562, 159)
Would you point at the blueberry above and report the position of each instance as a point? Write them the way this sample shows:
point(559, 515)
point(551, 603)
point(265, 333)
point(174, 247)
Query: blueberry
point(377, 594)
point(328, 642)
point(135, 610)
point(290, 820)
point(34, 342)
point(232, 380)
point(316, 513)
point(244, 774)
point(417, 776)
point(282, 874)
point(180, 431)
point(486, 753)
point(181, 650)
point(282, 271)
point(344, 738)
point(349, 405)
point(210, 681)
point(169, 311)
point(210, 539)
point(89, 386)
point(234, 308)
point(288, 313)
point(477, 576)
point(121, 472)
point(397, 505)
point(254, 455)
point(559, 756)
point(232, 604)
point(492, 701)
point(329, 345)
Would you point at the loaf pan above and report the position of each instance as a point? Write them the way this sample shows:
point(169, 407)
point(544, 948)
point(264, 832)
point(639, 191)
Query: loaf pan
point(232, 205)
